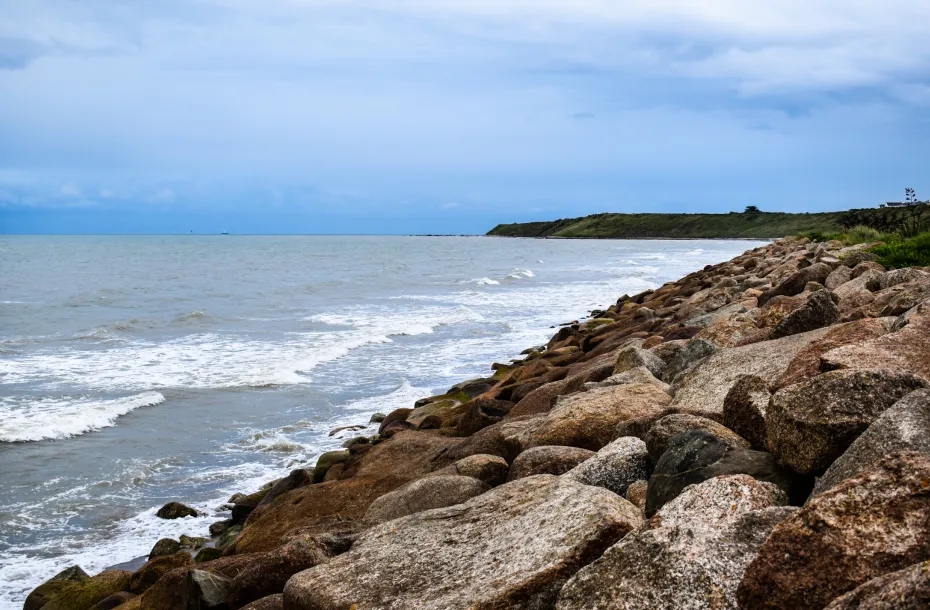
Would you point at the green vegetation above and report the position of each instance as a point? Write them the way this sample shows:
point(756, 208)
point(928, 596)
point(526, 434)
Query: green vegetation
point(904, 252)
point(749, 224)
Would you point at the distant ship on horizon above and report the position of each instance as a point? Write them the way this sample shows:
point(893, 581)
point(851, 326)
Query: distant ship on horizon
point(225, 233)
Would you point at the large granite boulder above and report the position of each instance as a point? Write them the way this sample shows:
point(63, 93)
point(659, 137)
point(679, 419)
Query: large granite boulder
point(614, 466)
point(318, 508)
point(481, 413)
point(634, 357)
point(272, 602)
point(512, 547)
point(876, 523)
point(702, 391)
point(547, 459)
point(907, 589)
point(810, 424)
point(491, 469)
point(695, 558)
point(903, 427)
point(744, 409)
point(695, 456)
point(685, 359)
point(149, 573)
point(907, 349)
point(794, 284)
point(664, 429)
point(639, 374)
point(54, 585)
point(588, 420)
point(500, 439)
point(296, 479)
point(82, 594)
point(424, 494)
point(819, 311)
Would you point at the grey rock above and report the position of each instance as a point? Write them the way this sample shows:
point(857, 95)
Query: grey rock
point(687, 358)
point(838, 277)
point(548, 459)
point(810, 424)
point(663, 430)
point(614, 466)
point(703, 391)
point(491, 469)
point(907, 589)
point(744, 409)
point(424, 494)
point(695, 456)
point(633, 357)
point(719, 500)
point(512, 547)
point(903, 427)
point(206, 589)
point(639, 374)
point(819, 311)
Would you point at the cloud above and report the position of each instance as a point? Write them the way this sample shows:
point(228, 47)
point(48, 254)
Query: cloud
point(107, 194)
point(164, 195)
point(69, 189)
point(450, 205)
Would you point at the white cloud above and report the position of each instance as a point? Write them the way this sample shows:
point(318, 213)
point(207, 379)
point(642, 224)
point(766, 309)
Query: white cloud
point(69, 189)
point(107, 194)
point(164, 195)
point(450, 205)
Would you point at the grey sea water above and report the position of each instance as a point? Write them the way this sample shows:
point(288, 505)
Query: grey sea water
point(135, 370)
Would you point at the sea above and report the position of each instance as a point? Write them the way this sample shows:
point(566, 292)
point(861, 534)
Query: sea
point(137, 370)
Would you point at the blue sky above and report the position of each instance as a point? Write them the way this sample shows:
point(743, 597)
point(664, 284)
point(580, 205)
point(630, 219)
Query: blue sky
point(414, 116)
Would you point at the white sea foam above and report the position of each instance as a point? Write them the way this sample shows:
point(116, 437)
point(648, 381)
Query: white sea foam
point(51, 418)
point(483, 281)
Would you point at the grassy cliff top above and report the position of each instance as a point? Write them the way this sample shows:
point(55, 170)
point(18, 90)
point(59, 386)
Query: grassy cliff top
point(733, 225)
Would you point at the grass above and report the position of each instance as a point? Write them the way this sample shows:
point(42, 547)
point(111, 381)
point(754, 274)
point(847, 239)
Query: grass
point(904, 252)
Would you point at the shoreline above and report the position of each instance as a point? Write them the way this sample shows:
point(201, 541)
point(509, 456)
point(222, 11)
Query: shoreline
point(596, 420)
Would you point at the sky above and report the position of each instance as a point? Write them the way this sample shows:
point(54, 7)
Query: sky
point(450, 116)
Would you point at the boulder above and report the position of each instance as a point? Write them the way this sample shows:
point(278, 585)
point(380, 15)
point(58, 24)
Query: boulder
point(716, 501)
point(542, 398)
point(113, 601)
point(664, 429)
point(907, 589)
point(512, 547)
point(500, 439)
point(481, 413)
point(636, 493)
point(695, 564)
point(907, 349)
point(744, 409)
point(175, 510)
point(695, 456)
point(327, 461)
point(819, 311)
point(874, 524)
point(393, 428)
point(729, 331)
point(903, 427)
point(171, 591)
point(244, 505)
point(553, 460)
point(806, 363)
point(473, 387)
point(633, 357)
point(639, 374)
point(491, 469)
point(54, 585)
point(268, 572)
point(377, 418)
point(810, 424)
point(838, 277)
point(857, 257)
point(614, 466)
point(896, 300)
point(296, 479)
point(775, 310)
point(424, 494)
point(687, 358)
point(165, 546)
point(272, 602)
point(446, 410)
point(342, 503)
point(794, 284)
point(703, 390)
point(82, 594)
point(207, 590)
point(395, 415)
point(588, 420)
point(153, 569)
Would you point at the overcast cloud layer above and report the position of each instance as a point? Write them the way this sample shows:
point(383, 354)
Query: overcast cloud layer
point(451, 116)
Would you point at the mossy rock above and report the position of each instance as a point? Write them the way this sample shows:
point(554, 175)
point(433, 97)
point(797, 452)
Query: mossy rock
point(175, 510)
point(246, 504)
point(326, 461)
point(54, 585)
point(358, 440)
point(192, 542)
point(84, 594)
point(228, 537)
point(208, 553)
point(148, 574)
point(444, 409)
point(165, 546)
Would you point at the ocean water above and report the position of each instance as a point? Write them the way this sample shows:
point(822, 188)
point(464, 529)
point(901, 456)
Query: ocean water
point(135, 370)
